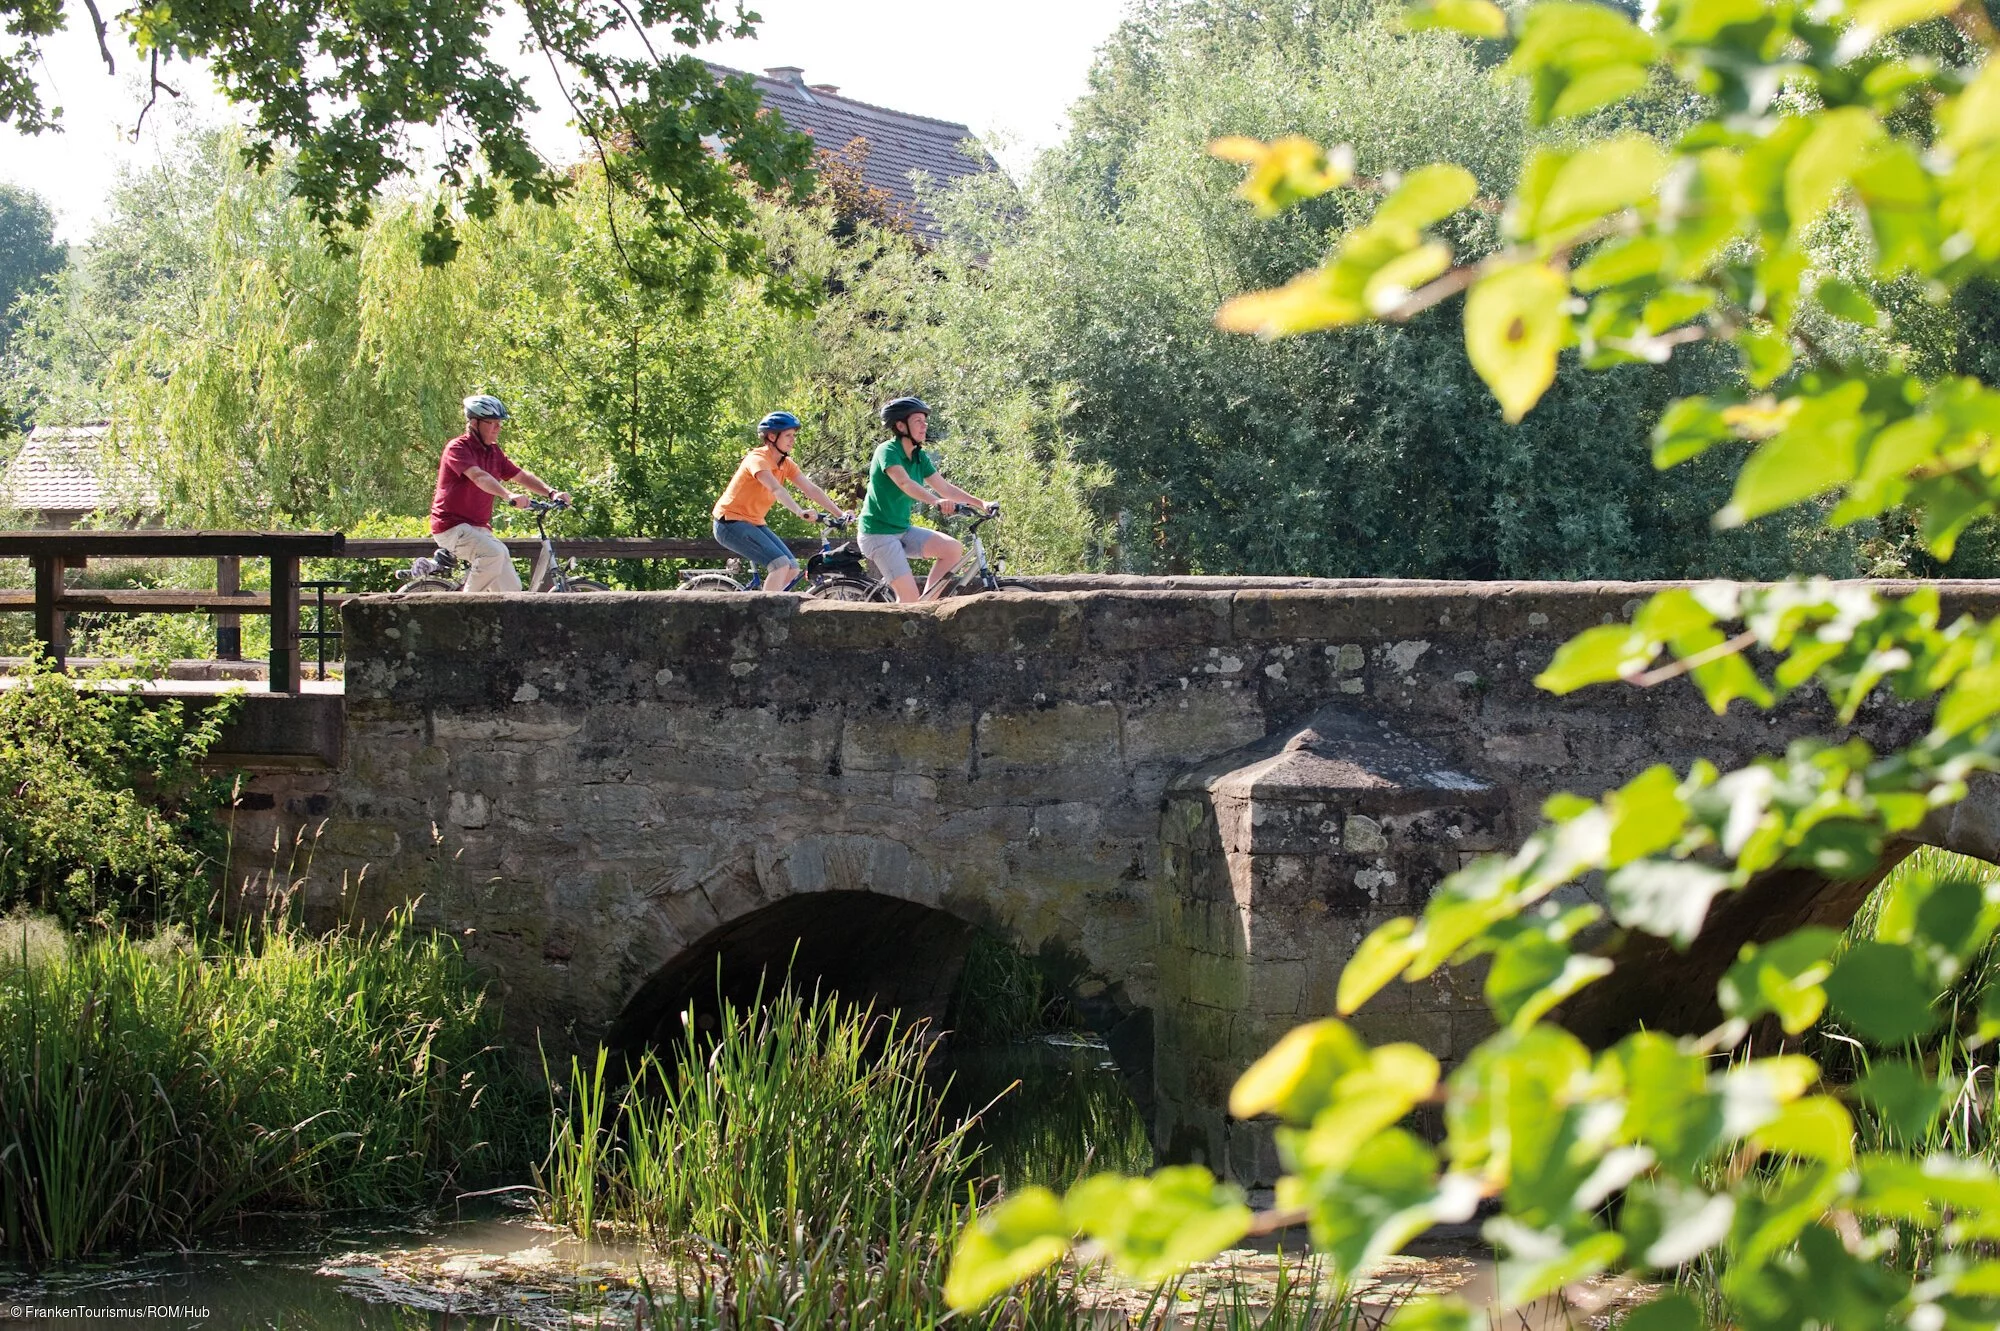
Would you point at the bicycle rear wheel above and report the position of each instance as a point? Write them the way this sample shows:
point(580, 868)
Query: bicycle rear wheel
point(583, 585)
point(851, 589)
point(415, 585)
point(710, 582)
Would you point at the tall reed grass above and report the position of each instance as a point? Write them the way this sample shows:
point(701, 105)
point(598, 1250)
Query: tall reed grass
point(799, 1164)
point(149, 1092)
point(799, 1112)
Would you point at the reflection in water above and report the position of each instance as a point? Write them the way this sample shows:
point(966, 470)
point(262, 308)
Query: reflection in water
point(261, 1283)
point(1068, 1116)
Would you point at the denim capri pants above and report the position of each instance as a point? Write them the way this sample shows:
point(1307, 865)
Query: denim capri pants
point(753, 541)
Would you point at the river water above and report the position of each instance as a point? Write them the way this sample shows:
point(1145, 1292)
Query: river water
point(485, 1265)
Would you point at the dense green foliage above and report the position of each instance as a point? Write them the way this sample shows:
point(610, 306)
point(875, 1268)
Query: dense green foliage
point(149, 1091)
point(1363, 452)
point(339, 89)
point(28, 251)
point(1808, 1192)
point(267, 381)
point(105, 812)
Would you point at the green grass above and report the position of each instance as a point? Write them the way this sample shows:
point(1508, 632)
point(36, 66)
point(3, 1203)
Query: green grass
point(149, 1091)
point(798, 1164)
point(1052, 1114)
point(801, 1112)
point(803, 1168)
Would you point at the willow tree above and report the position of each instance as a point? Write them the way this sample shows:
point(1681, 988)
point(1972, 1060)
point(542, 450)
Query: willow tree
point(309, 385)
point(1822, 1200)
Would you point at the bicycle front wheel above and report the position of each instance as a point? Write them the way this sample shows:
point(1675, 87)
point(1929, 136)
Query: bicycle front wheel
point(416, 585)
point(851, 589)
point(710, 582)
point(583, 585)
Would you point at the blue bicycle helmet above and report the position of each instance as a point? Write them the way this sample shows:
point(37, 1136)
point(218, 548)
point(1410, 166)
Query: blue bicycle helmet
point(484, 407)
point(776, 422)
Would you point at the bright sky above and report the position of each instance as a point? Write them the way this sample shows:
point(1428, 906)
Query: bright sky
point(1008, 70)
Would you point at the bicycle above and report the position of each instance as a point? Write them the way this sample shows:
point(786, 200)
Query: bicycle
point(833, 572)
point(437, 571)
point(971, 574)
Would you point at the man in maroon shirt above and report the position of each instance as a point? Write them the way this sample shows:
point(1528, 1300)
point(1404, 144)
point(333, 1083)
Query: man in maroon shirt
point(473, 473)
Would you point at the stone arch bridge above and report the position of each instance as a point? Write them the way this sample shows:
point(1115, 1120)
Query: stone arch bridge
point(1197, 795)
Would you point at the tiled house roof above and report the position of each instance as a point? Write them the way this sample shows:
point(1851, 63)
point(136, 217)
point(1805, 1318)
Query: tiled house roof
point(61, 474)
point(899, 144)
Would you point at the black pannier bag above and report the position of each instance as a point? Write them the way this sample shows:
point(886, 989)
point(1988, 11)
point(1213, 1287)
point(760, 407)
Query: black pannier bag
point(842, 561)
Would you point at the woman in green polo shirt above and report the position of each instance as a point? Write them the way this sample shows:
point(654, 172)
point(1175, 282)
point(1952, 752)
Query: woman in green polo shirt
point(896, 483)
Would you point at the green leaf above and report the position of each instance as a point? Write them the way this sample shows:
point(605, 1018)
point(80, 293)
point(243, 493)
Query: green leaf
point(1672, 1311)
point(1784, 977)
point(1844, 300)
point(1435, 1313)
point(1380, 958)
point(1533, 972)
point(1578, 57)
point(1667, 898)
point(1668, 1104)
point(1879, 991)
point(1839, 142)
point(1008, 1242)
point(1893, 453)
point(1669, 1223)
point(1766, 353)
point(1878, 18)
point(1152, 1228)
point(1901, 201)
point(1391, 284)
point(1724, 677)
point(1688, 428)
point(1395, 1080)
point(1597, 656)
point(1387, 1193)
point(1815, 1128)
point(1538, 1262)
point(1515, 325)
point(1647, 815)
point(1621, 260)
point(1972, 700)
point(1474, 18)
point(1818, 450)
point(1295, 1078)
point(1905, 1097)
point(1426, 195)
point(1285, 171)
point(1602, 179)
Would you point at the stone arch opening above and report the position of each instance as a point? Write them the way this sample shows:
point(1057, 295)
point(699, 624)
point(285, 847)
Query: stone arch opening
point(1674, 991)
point(867, 948)
point(863, 946)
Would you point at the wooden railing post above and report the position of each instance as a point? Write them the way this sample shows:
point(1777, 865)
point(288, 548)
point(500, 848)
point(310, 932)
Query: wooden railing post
point(50, 628)
point(284, 623)
point(228, 628)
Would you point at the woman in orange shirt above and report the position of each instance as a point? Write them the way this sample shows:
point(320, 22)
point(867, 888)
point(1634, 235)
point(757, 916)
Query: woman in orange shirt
point(759, 482)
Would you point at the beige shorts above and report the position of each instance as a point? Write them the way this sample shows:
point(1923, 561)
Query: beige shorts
point(890, 556)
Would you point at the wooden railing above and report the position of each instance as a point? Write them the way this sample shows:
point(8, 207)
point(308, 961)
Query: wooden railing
point(53, 552)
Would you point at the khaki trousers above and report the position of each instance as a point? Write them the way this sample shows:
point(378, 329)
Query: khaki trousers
point(489, 568)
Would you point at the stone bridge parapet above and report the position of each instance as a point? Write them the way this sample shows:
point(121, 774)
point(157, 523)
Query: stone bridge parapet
point(1199, 798)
